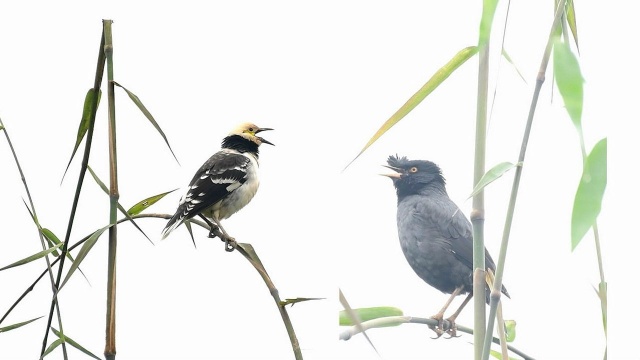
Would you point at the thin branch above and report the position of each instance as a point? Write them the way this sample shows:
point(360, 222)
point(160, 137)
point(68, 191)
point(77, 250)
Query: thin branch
point(396, 320)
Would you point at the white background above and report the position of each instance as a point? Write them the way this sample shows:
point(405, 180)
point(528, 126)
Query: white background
point(325, 75)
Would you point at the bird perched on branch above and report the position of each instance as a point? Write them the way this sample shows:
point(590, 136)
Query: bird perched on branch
point(224, 184)
point(436, 238)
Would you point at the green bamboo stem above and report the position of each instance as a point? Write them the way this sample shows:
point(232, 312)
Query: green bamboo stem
point(477, 213)
point(110, 341)
point(497, 286)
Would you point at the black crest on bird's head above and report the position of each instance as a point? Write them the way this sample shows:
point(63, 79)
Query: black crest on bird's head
point(413, 176)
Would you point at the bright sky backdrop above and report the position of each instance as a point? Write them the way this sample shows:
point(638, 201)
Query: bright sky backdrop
point(325, 75)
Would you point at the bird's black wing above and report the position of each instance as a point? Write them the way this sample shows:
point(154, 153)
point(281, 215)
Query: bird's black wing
point(223, 173)
point(219, 176)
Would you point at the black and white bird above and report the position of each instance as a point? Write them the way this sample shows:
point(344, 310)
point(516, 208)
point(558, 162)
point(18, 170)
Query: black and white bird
point(436, 238)
point(224, 184)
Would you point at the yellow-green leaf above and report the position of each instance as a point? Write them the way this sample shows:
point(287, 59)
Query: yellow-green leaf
point(51, 347)
point(588, 200)
point(144, 204)
point(488, 12)
point(33, 257)
point(569, 80)
point(510, 330)
point(369, 313)
point(441, 75)
point(571, 20)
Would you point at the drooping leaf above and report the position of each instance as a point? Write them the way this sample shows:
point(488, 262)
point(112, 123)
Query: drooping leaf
point(52, 239)
point(146, 113)
point(569, 81)
point(73, 343)
point(87, 110)
point(588, 200)
point(369, 313)
point(33, 257)
point(84, 251)
point(440, 76)
point(144, 204)
point(17, 325)
point(491, 175)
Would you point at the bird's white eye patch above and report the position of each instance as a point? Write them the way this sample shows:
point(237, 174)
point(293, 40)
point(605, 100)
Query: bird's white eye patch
point(413, 170)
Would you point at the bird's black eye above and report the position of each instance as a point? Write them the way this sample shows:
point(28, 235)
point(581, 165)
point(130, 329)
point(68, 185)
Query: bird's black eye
point(413, 170)
point(251, 129)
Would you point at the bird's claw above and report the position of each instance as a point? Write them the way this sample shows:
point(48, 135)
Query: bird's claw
point(230, 244)
point(212, 233)
point(441, 329)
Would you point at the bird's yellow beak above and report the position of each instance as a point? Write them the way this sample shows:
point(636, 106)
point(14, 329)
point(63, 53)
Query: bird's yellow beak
point(395, 175)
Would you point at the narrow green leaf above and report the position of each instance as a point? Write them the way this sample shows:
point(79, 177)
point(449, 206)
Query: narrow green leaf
point(369, 313)
point(588, 200)
point(84, 251)
point(146, 113)
point(87, 110)
point(17, 325)
point(71, 342)
point(51, 347)
point(498, 355)
point(510, 61)
point(441, 75)
point(52, 239)
point(510, 330)
point(571, 20)
point(32, 257)
point(144, 204)
point(120, 207)
point(297, 300)
point(491, 175)
point(569, 80)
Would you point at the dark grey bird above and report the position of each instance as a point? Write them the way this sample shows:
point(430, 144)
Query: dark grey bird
point(436, 238)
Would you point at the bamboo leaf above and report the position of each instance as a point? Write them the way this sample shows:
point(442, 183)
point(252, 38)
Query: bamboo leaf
point(440, 76)
point(588, 200)
point(144, 204)
point(569, 81)
point(84, 251)
point(51, 347)
point(297, 300)
point(87, 110)
point(510, 61)
point(52, 239)
point(571, 20)
point(17, 325)
point(510, 330)
point(120, 207)
point(370, 313)
point(491, 175)
point(146, 113)
point(31, 258)
point(71, 342)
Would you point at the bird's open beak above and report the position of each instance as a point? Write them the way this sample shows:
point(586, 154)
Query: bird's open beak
point(264, 141)
point(393, 176)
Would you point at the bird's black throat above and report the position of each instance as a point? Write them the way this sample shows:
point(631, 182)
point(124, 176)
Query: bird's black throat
point(237, 142)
